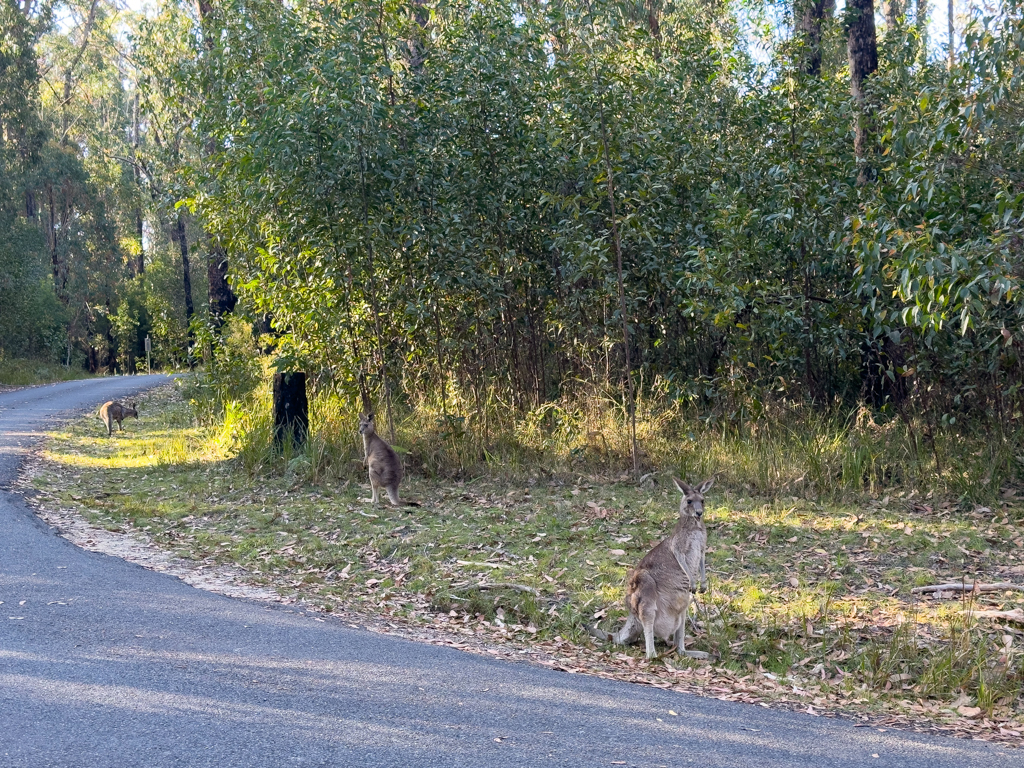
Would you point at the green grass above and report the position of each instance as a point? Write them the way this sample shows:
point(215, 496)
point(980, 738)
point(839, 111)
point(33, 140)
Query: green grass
point(22, 372)
point(813, 592)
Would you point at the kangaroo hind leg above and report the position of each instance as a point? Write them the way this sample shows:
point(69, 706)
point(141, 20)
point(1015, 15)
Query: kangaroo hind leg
point(373, 488)
point(649, 639)
point(680, 638)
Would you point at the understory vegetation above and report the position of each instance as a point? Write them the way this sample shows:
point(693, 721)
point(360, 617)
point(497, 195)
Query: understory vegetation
point(21, 372)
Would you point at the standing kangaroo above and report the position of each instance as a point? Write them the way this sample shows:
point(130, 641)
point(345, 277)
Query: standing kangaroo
point(381, 460)
point(112, 411)
point(658, 592)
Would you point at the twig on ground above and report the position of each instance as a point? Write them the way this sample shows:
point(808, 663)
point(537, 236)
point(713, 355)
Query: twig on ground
point(504, 585)
point(480, 565)
point(969, 587)
point(1016, 615)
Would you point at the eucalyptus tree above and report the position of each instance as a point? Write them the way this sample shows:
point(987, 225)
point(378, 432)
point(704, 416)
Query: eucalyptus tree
point(943, 270)
point(163, 54)
point(532, 199)
point(31, 317)
point(222, 298)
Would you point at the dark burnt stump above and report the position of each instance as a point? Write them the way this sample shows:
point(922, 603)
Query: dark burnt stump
point(291, 409)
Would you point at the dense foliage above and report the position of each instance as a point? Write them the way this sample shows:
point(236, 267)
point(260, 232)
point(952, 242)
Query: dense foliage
point(432, 195)
point(467, 201)
point(89, 261)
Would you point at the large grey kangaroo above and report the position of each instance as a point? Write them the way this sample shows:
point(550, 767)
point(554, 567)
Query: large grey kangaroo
point(658, 592)
point(384, 466)
point(112, 411)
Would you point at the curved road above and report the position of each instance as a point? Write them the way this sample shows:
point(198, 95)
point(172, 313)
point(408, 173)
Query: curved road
point(103, 663)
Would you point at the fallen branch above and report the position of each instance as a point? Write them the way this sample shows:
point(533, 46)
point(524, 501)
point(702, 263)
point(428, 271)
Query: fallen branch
point(972, 587)
point(481, 565)
point(502, 585)
point(1016, 615)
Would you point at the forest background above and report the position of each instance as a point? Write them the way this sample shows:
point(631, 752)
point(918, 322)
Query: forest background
point(595, 233)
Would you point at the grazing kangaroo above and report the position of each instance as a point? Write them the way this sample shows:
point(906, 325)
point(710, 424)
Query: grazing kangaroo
point(658, 592)
point(112, 411)
point(381, 460)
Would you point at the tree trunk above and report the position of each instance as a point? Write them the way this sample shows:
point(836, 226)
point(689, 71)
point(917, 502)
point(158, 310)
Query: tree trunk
point(862, 47)
point(617, 243)
point(878, 359)
point(417, 49)
point(186, 270)
point(222, 298)
point(654, 8)
point(810, 18)
point(291, 409)
point(140, 264)
point(51, 242)
point(950, 19)
point(922, 29)
point(893, 10)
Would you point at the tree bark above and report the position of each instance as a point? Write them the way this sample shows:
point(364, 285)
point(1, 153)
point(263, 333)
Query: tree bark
point(291, 409)
point(922, 29)
point(950, 20)
point(417, 48)
point(186, 270)
point(140, 264)
point(810, 19)
point(654, 9)
point(222, 298)
point(892, 9)
point(51, 242)
point(862, 48)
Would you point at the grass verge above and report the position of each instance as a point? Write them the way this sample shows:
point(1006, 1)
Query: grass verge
point(23, 373)
point(810, 601)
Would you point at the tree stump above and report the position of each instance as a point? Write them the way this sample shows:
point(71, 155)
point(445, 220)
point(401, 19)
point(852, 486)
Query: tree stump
point(291, 409)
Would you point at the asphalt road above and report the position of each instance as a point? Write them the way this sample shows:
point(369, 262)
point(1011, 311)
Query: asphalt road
point(103, 663)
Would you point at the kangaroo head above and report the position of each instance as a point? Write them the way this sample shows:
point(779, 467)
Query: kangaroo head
point(133, 411)
point(366, 425)
point(692, 503)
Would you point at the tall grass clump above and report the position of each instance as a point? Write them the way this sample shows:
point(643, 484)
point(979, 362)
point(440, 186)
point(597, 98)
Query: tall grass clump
point(964, 661)
point(751, 442)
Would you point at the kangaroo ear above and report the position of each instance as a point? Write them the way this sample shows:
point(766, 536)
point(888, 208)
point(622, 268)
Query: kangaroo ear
point(369, 417)
point(683, 487)
point(705, 486)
